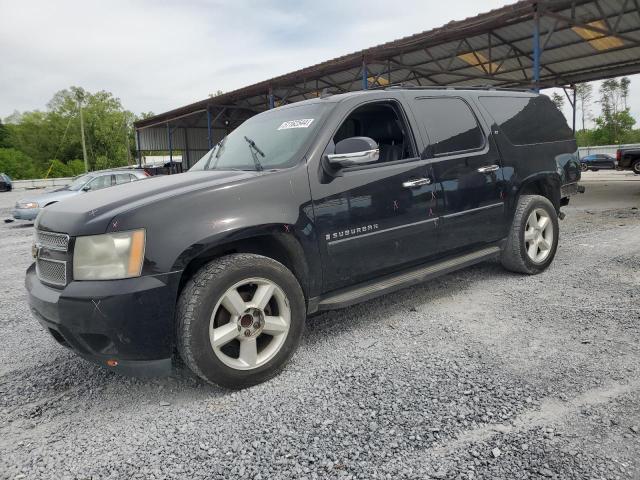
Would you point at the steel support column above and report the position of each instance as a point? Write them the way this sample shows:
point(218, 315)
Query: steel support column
point(170, 148)
point(138, 148)
point(271, 99)
point(536, 50)
point(365, 82)
point(573, 105)
point(209, 137)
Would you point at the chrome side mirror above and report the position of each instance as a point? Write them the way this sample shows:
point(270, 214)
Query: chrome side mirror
point(354, 151)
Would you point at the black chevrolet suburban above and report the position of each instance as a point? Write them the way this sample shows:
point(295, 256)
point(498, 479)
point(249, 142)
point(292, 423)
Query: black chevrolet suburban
point(311, 206)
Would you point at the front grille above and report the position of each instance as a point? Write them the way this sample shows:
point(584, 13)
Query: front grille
point(52, 271)
point(52, 241)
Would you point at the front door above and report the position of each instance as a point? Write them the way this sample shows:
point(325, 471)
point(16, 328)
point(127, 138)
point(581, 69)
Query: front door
point(466, 165)
point(377, 218)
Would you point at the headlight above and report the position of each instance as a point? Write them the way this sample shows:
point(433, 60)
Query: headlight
point(109, 257)
point(28, 205)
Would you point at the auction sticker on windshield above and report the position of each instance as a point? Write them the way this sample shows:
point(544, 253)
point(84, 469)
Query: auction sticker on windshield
point(302, 123)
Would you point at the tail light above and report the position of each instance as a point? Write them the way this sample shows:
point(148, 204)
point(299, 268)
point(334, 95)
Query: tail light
point(618, 155)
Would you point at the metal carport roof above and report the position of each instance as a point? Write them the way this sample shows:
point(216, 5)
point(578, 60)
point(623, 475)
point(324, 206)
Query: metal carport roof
point(531, 43)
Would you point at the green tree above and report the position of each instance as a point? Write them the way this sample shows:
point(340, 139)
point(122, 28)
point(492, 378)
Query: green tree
point(76, 166)
point(615, 124)
point(17, 165)
point(558, 100)
point(55, 132)
point(584, 96)
point(59, 169)
point(4, 136)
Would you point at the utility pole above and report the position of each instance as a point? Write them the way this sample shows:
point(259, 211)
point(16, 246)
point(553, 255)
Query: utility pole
point(84, 146)
point(126, 138)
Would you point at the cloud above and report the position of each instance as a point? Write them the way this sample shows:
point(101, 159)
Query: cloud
point(158, 55)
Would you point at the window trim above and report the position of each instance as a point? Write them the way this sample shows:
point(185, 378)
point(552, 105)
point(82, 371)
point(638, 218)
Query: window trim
point(407, 124)
point(481, 148)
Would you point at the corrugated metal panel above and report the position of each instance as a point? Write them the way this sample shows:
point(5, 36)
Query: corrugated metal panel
point(156, 138)
point(437, 56)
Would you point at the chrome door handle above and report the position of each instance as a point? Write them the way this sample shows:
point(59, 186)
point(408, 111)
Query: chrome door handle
point(488, 168)
point(416, 183)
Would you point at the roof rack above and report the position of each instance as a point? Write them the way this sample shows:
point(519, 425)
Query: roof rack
point(448, 87)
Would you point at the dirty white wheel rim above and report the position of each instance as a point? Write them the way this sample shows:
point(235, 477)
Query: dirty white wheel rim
point(538, 235)
point(250, 323)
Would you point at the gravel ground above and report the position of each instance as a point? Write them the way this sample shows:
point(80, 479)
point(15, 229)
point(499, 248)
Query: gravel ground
point(481, 374)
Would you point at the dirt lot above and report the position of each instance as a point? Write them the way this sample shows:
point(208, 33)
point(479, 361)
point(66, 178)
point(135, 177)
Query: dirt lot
point(480, 374)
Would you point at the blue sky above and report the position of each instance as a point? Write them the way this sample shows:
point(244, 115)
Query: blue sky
point(156, 55)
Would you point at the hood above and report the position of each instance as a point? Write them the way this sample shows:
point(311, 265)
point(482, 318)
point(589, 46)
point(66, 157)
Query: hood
point(90, 213)
point(50, 197)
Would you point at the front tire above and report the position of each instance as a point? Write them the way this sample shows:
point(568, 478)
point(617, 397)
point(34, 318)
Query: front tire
point(239, 320)
point(583, 167)
point(533, 237)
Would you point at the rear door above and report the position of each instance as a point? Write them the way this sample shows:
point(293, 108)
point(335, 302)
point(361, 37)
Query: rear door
point(467, 167)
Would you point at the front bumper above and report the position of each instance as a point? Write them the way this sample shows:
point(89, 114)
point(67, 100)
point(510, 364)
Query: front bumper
point(123, 325)
point(25, 213)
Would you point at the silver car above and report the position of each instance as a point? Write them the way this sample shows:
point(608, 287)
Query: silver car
point(28, 208)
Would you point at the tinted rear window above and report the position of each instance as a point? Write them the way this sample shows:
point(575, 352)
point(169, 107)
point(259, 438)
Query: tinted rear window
point(451, 125)
point(527, 120)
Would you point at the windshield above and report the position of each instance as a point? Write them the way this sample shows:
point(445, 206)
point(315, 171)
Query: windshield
point(271, 140)
point(79, 182)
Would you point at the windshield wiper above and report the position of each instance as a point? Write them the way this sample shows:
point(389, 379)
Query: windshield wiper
point(254, 151)
point(218, 150)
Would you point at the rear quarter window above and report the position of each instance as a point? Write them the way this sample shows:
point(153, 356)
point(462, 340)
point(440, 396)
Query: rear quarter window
point(528, 120)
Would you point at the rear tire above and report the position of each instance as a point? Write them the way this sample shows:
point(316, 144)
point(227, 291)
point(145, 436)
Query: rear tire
point(533, 237)
point(636, 167)
point(239, 320)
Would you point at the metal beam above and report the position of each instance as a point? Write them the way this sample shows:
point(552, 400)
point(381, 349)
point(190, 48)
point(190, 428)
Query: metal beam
point(209, 138)
point(427, 72)
point(169, 134)
point(602, 31)
point(138, 148)
point(365, 82)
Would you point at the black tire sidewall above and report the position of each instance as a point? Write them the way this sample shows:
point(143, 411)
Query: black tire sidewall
point(539, 202)
point(636, 167)
point(208, 364)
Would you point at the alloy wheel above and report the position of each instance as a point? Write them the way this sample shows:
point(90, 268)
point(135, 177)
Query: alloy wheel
point(538, 235)
point(249, 324)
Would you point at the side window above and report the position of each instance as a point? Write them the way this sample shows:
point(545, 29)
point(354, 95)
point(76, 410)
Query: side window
point(450, 125)
point(383, 122)
point(100, 182)
point(527, 120)
point(123, 178)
